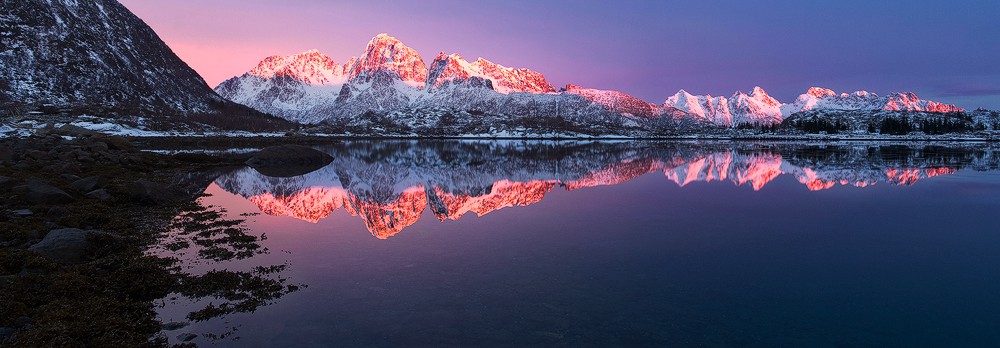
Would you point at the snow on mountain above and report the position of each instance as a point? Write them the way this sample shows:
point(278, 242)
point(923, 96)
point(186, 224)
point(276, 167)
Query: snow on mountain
point(387, 53)
point(390, 78)
point(504, 80)
point(820, 98)
point(758, 107)
point(288, 87)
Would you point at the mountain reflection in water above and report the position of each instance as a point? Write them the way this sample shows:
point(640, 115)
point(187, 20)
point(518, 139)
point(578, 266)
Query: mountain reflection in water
point(390, 183)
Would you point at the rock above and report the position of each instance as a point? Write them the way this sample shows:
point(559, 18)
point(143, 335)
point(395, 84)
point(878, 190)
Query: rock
point(66, 245)
point(175, 325)
point(6, 182)
point(23, 212)
point(85, 159)
point(21, 166)
point(288, 160)
point(187, 336)
point(99, 146)
point(41, 193)
point(150, 193)
point(7, 154)
point(88, 184)
point(23, 322)
point(56, 212)
point(38, 155)
point(74, 131)
point(118, 142)
point(6, 333)
point(101, 195)
point(69, 177)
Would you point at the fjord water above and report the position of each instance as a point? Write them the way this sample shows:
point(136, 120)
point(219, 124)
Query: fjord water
point(493, 243)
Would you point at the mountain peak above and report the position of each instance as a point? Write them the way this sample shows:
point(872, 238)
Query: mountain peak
point(820, 92)
point(311, 67)
point(504, 80)
point(388, 53)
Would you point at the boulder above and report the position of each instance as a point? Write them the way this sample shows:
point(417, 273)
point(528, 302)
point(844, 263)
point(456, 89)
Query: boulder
point(118, 142)
point(6, 182)
point(101, 195)
point(150, 193)
point(7, 154)
point(66, 245)
point(288, 160)
point(88, 184)
point(74, 131)
point(99, 146)
point(56, 212)
point(39, 192)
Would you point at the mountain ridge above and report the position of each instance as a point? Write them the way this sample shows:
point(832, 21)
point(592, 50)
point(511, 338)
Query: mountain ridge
point(484, 86)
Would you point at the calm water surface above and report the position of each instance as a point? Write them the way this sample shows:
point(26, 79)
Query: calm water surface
point(430, 244)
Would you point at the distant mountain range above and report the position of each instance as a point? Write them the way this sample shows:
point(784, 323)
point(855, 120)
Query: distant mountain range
point(310, 87)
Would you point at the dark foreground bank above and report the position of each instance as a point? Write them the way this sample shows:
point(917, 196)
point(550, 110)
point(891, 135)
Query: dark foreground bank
point(78, 212)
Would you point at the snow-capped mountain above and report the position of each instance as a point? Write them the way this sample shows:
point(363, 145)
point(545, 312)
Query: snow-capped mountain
point(821, 98)
point(504, 80)
point(87, 55)
point(390, 78)
point(387, 78)
point(454, 178)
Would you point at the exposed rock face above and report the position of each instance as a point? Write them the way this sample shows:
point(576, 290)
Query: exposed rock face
point(65, 245)
point(72, 53)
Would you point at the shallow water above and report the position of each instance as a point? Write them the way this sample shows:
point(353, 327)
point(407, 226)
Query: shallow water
point(515, 244)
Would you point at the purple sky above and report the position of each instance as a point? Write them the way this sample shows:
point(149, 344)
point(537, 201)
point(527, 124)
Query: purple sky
point(947, 51)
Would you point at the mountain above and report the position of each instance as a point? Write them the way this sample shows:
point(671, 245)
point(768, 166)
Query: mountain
point(96, 56)
point(386, 87)
point(821, 98)
point(503, 79)
point(389, 91)
point(389, 184)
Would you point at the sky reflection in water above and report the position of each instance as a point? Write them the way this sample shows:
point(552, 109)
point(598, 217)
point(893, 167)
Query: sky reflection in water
point(860, 245)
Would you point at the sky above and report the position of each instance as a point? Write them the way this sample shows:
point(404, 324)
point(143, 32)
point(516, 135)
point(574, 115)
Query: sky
point(946, 51)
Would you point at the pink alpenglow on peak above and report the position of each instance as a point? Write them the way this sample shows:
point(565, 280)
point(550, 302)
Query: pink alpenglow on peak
point(388, 53)
point(758, 107)
point(311, 67)
point(820, 98)
point(505, 80)
point(617, 102)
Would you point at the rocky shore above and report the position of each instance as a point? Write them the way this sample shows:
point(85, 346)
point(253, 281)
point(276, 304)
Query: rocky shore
point(78, 212)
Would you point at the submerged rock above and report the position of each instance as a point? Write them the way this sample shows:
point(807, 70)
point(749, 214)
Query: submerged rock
point(288, 160)
point(187, 336)
point(66, 245)
point(175, 325)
